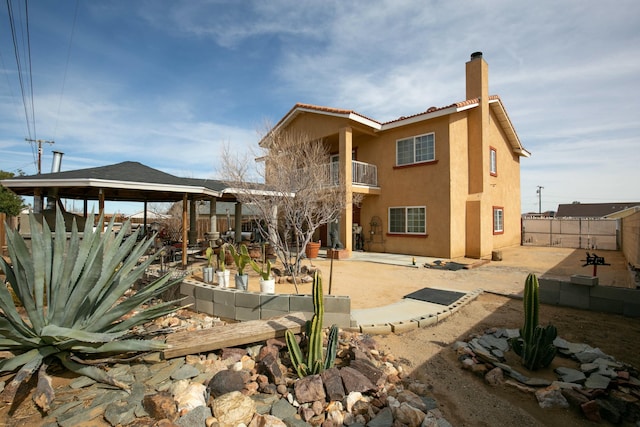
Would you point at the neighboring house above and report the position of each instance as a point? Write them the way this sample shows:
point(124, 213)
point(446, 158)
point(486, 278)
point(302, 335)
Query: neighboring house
point(593, 210)
point(442, 183)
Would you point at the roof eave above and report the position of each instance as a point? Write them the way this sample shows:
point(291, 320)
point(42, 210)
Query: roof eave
point(103, 183)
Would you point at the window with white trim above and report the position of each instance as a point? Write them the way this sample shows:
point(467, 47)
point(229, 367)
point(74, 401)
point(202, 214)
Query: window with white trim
point(498, 220)
point(408, 220)
point(417, 149)
point(493, 161)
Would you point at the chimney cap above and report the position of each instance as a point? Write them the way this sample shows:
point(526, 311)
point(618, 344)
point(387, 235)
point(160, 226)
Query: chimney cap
point(476, 55)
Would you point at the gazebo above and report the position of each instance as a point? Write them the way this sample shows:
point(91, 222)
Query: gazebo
point(129, 182)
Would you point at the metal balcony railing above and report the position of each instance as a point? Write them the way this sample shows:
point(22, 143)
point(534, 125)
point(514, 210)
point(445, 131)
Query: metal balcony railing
point(362, 173)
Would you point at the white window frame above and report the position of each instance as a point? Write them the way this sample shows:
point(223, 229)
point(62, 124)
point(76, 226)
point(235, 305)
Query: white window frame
point(431, 146)
point(493, 161)
point(406, 220)
point(498, 220)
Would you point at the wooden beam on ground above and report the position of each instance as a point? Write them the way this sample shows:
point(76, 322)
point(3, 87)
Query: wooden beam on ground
point(231, 335)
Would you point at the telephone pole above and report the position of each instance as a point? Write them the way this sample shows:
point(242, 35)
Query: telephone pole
point(40, 142)
point(539, 192)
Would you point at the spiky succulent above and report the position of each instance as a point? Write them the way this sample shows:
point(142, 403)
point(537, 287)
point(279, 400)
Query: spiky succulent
point(71, 290)
point(315, 362)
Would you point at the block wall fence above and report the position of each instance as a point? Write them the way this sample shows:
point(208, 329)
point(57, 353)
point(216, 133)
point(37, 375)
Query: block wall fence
point(584, 292)
point(230, 303)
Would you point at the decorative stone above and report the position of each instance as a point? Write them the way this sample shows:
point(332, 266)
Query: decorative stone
point(407, 414)
point(160, 406)
point(270, 367)
point(333, 384)
point(494, 377)
point(369, 370)
point(355, 381)
point(195, 417)
point(384, 418)
point(591, 411)
point(551, 397)
point(233, 408)
point(225, 382)
point(185, 372)
point(569, 375)
point(283, 409)
point(192, 397)
point(266, 421)
point(120, 413)
point(309, 388)
point(412, 399)
point(351, 399)
point(597, 381)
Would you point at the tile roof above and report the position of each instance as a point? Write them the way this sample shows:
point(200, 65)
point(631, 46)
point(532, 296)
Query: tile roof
point(592, 210)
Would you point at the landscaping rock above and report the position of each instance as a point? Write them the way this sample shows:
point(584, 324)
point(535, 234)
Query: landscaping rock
point(233, 409)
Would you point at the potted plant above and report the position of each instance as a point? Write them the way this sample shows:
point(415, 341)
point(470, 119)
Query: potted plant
point(241, 259)
point(207, 272)
point(222, 273)
point(267, 282)
point(312, 249)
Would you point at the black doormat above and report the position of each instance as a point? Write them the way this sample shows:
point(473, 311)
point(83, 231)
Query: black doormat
point(450, 265)
point(436, 296)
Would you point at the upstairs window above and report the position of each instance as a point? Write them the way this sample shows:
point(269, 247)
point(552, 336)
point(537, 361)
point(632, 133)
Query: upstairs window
point(408, 220)
point(498, 220)
point(493, 161)
point(417, 149)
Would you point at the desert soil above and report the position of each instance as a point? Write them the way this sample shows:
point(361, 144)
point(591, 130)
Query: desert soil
point(464, 399)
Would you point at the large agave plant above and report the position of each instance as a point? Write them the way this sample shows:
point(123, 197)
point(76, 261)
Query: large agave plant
point(71, 292)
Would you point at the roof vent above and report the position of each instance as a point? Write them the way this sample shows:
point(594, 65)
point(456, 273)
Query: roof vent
point(476, 55)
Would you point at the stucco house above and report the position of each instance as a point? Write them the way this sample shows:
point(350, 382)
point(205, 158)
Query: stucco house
point(442, 183)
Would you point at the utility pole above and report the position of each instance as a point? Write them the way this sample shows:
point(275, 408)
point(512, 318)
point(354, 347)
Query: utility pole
point(539, 192)
point(40, 142)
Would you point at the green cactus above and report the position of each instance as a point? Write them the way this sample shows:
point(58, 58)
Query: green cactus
point(315, 362)
point(535, 344)
point(209, 255)
point(241, 258)
point(265, 273)
point(222, 258)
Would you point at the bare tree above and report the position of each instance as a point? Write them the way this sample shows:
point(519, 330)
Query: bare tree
point(292, 188)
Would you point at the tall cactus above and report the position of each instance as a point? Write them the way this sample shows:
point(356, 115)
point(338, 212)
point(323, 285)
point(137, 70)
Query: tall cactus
point(315, 362)
point(535, 344)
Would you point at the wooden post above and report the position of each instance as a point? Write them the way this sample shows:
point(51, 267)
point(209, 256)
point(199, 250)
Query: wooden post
point(184, 231)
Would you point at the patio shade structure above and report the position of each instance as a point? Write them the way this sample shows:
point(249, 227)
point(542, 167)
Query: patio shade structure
point(123, 182)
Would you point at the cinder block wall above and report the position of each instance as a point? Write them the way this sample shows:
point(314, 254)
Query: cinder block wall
point(607, 299)
point(631, 239)
point(230, 303)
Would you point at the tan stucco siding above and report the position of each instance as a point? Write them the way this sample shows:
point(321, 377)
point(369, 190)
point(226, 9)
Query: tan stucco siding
point(459, 179)
point(504, 189)
point(416, 185)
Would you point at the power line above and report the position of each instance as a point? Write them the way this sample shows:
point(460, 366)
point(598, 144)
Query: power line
point(66, 67)
point(16, 52)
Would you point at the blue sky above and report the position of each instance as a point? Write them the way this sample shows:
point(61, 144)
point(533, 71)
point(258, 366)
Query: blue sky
point(168, 83)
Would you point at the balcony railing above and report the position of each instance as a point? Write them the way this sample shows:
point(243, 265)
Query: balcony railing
point(362, 173)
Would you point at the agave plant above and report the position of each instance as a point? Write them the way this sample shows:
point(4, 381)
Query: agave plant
point(71, 292)
point(315, 362)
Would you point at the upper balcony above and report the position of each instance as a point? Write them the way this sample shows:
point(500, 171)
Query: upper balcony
point(363, 174)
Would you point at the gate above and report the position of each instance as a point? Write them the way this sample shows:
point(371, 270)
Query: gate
point(579, 233)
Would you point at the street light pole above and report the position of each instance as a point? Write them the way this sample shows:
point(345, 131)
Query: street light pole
point(539, 191)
